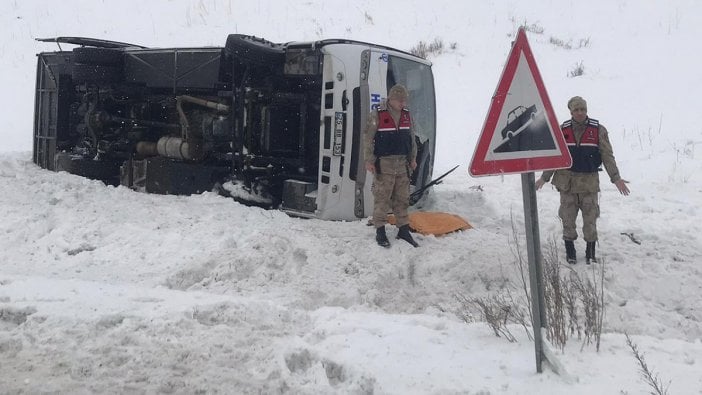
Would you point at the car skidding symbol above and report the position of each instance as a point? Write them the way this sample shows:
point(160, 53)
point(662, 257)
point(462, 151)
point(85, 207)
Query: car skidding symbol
point(517, 120)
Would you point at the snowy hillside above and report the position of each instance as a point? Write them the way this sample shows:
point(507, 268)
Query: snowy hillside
point(105, 290)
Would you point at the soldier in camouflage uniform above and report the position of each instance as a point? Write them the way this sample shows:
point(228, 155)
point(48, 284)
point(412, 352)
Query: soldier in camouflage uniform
point(391, 156)
point(589, 146)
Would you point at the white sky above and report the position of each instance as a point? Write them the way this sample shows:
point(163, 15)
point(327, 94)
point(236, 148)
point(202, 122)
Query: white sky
point(104, 290)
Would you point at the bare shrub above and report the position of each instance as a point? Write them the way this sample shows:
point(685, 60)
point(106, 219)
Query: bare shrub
point(577, 70)
point(530, 27)
point(560, 43)
point(650, 377)
point(521, 265)
point(497, 310)
point(501, 308)
point(555, 298)
point(591, 294)
point(533, 28)
point(424, 50)
point(570, 298)
point(490, 282)
point(574, 305)
point(573, 302)
point(436, 46)
point(421, 50)
point(582, 43)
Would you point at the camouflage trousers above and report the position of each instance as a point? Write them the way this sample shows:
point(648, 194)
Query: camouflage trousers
point(571, 203)
point(391, 190)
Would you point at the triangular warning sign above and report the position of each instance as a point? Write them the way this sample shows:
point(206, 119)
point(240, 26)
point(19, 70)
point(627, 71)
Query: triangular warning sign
point(521, 133)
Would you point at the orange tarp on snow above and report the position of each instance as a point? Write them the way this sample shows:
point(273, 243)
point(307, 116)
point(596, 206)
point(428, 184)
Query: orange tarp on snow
point(434, 223)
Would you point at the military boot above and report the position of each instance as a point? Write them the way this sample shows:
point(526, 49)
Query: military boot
point(590, 253)
point(570, 252)
point(404, 234)
point(381, 237)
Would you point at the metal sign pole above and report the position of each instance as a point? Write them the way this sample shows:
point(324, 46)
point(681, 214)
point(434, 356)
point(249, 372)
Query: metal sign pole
point(531, 224)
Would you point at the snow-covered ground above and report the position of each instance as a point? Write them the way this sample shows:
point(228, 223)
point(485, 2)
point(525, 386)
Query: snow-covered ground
point(105, 290)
